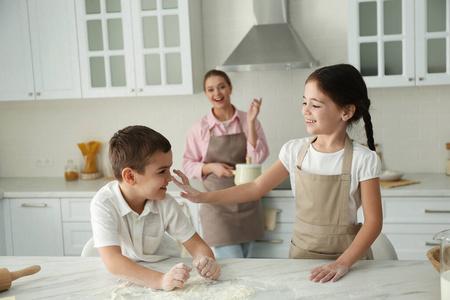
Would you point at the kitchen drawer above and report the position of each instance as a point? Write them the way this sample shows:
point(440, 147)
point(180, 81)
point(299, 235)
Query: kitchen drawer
point(75, 236)
point(275, 243)
point(76, 209)
point(412, 241)
point(285, 205)
point(416, 210)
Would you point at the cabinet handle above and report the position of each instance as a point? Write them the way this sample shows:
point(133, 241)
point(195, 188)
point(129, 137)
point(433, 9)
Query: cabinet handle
point(410, 79)
point(420, 78)
point(432, 244)
point(432, 211)
point(30, 94)
point(140, 90)
point(34, 205)
point(270, 241)
point(131, 90)
point(38, 94)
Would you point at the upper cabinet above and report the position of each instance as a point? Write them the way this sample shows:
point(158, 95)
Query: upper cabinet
point(139, 47)
point(39, 53)
point(400, 42)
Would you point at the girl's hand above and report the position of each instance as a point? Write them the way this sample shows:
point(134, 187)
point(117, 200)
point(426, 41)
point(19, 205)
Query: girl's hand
point(254, 110)
point(190, 193)
point(176, 277)
point(324, 273)
point(207, 267)
point(220, 169)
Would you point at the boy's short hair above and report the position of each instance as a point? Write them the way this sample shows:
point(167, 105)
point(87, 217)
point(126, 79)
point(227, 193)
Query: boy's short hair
point(133, 147)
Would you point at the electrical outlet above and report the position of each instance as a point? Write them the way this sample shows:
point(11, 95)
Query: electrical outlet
point(49, 162)
point(44, 162)
point(40, 162)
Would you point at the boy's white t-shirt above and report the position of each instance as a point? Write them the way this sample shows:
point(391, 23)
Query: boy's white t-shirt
point(141, 237)
point(365, 165)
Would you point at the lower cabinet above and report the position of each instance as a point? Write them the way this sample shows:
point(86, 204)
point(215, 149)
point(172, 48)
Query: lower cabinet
point(410, 223)
point(36, 228)
point(76, 223)
point(46, 226)
point(276, 243)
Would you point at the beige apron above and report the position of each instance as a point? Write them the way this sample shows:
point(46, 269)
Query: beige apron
point(321, 227)
point(229, 224)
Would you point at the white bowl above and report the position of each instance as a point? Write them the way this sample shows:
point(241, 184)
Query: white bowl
point(389, 175)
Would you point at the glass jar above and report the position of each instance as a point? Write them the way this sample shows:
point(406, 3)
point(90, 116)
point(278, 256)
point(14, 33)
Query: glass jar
point(448, 160)
point(71, 171)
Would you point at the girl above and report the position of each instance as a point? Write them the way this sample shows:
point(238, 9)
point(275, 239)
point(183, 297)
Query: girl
point(331, 176)
point(224, 137)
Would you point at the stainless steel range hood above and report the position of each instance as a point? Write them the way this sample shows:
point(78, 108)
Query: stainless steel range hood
point(272, 44)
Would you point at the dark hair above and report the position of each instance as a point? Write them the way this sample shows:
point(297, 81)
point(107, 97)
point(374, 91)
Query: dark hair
point(345, 86)
point(216, 73)
point(133, 147)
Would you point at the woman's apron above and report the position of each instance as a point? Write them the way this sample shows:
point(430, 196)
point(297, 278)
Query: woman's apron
point(321, 227)
point(229, 224)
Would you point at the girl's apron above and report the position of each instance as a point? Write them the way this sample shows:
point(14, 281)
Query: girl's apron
point(321, 227)
point(229, 224)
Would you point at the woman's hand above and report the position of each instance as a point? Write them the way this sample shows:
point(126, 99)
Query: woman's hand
point(254, 110)
point(190, 193)
point(207, 267)
point(176, 277)
point(218, 169)
point(333, 271)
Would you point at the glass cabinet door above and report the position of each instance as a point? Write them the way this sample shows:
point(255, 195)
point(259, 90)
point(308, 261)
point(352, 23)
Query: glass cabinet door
point(106, 48)
point(433, 42)
point(381, 41)
point(161, 52)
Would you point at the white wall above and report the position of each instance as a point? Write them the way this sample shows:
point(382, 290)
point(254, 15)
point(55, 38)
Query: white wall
point(411, 124)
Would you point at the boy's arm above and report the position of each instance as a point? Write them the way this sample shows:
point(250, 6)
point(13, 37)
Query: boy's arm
point(128, 270)
point(204, 260)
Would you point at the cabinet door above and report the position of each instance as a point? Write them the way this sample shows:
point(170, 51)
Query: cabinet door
point(381, 41)
point(106, 48)
point(162, 52)
point(16, 73)
point(54, 49)
point(36, 227)
point(432, 42)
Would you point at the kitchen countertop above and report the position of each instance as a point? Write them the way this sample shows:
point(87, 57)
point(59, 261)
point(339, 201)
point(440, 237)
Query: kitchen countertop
point(87, 278)
point(431, 185)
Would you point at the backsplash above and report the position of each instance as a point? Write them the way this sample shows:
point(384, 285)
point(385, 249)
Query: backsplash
point(411, 125)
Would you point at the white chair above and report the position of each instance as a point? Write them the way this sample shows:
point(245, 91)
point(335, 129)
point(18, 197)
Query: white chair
point(382, 248)
point(89, 250)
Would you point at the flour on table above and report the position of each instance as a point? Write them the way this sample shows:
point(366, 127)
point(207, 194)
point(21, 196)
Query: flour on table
point(197, 287)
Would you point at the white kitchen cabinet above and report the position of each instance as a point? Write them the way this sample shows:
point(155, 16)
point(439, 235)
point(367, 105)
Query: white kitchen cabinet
point(276, 243)
point(39, 51)
point(139, 48)
point(35, 227)
point(410, 223)
point(400, 42)
point(76, 223)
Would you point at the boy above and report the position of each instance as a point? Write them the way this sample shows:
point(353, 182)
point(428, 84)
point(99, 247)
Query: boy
point(130, 216)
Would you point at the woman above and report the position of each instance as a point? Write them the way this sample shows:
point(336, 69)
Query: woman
point(217, 142)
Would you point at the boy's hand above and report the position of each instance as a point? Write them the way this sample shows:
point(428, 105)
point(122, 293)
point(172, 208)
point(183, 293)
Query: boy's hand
point(176, 277)
point(207, 267)
point(190, 193)
point(333, 271)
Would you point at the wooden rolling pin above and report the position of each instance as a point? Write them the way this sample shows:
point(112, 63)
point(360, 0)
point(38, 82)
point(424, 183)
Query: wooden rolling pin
point(6, 277)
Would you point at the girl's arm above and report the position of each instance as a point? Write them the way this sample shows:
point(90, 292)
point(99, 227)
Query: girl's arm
point(247, 192)
point(128, 270)
point(373, 222)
